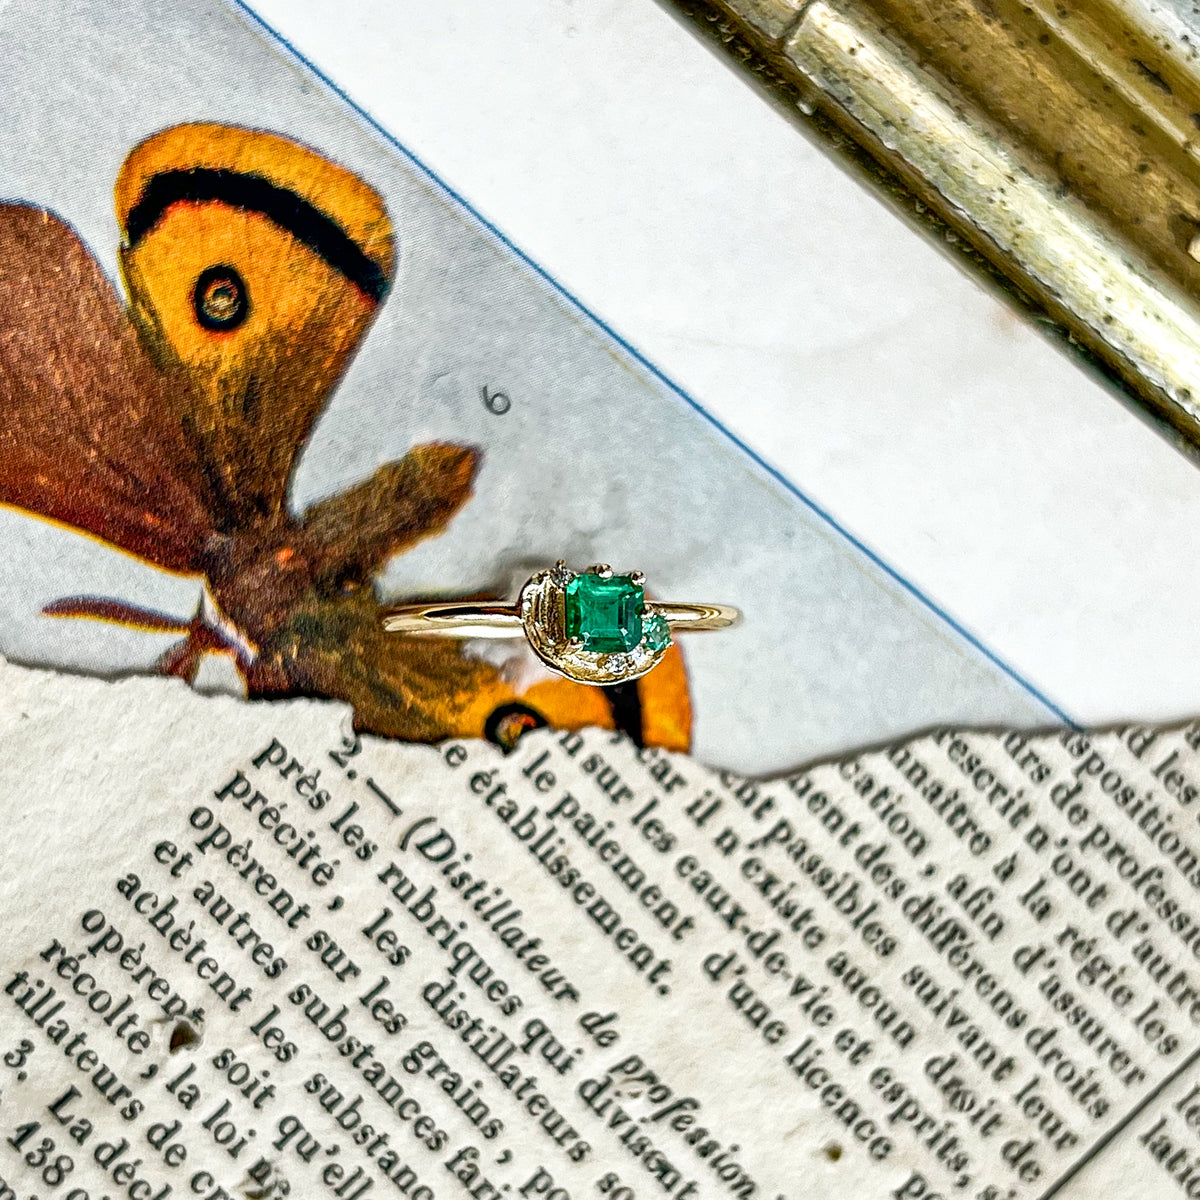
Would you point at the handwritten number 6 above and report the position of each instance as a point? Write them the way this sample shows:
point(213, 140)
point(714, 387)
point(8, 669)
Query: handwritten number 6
point(496, 403)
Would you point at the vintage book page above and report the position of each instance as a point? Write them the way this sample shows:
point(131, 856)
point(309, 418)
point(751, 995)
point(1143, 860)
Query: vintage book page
point(260, 955)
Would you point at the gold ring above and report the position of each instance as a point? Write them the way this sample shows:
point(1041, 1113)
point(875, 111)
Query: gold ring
point(591, 626)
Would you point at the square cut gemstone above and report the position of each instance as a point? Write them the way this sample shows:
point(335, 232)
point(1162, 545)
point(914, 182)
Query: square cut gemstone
point(605, 614)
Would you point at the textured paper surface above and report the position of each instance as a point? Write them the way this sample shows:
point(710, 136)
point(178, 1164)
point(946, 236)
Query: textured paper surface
point(956, 966)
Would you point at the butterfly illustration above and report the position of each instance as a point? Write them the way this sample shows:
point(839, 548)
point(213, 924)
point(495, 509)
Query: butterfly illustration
point(170, 427)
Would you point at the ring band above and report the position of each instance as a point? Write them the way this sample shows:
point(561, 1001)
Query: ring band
point(593, 627)
point(495, 620)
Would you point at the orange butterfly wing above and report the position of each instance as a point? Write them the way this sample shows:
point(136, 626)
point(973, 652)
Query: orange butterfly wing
point(255, 265)
point(86, 430)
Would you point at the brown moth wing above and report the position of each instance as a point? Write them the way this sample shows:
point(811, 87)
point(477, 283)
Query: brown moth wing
point(86, 432)
point(409, 688)
point(357, 531)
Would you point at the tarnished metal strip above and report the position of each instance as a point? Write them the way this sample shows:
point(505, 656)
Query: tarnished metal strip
point(1059, 139)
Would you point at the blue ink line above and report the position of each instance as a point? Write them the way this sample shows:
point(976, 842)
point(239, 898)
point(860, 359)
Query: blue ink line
point(668, 383)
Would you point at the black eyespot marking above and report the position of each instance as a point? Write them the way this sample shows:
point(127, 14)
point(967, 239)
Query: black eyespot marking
point(220, 299)
point(509, 723)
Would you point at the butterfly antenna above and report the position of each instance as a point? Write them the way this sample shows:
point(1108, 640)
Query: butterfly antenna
point(95, 608)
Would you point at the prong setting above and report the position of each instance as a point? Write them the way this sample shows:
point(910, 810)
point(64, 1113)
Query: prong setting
point(601, 632)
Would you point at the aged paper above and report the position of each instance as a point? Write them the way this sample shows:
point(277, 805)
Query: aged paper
point(249, 953)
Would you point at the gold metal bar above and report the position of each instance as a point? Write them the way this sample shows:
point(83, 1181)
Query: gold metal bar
point(1060, 139)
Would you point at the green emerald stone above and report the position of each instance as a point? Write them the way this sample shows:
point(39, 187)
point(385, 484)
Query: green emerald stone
point(605, 614)
point(657, 632)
